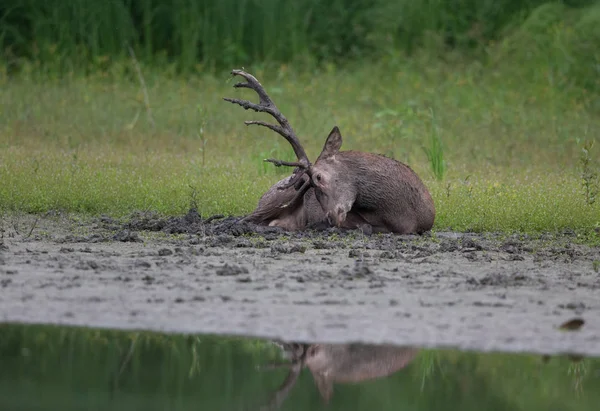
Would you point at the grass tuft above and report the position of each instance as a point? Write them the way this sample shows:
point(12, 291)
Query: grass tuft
point(589, 172)
point(435, 151)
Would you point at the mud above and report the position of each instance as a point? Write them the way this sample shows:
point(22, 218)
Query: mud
point(192, 275)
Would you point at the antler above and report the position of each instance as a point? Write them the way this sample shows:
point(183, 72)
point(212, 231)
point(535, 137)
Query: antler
point(297, 362)
point(284, 128)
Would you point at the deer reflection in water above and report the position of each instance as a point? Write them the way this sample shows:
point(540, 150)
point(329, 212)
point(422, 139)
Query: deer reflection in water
point(337, 363)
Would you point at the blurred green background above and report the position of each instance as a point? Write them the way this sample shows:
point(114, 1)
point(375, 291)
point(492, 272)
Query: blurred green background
point(52, 368)
point(196, 35)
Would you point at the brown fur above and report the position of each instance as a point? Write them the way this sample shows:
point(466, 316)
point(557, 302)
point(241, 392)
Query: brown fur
point(348, 189)
point(304, 213)
point(356, 190)
point(340, 363)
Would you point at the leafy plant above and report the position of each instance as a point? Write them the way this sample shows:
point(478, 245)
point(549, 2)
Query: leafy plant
point(435, 151)
point(589, 173)
point(200, 132)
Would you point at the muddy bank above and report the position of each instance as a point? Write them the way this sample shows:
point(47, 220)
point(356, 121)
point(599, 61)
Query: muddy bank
point(187, 274)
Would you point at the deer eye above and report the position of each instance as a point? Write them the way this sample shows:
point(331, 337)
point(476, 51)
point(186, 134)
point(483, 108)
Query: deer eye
point(319, 177)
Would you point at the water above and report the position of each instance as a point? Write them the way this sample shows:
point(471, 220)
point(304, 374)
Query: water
point(59, 368)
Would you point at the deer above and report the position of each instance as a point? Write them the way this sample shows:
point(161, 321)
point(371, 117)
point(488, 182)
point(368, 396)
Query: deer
point(345, 189)
point(337, 363)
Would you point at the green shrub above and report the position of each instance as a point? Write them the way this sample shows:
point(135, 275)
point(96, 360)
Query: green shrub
point(556, 45)
point(199, 35)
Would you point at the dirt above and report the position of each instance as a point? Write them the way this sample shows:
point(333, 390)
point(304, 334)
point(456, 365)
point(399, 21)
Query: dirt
point(193, 275)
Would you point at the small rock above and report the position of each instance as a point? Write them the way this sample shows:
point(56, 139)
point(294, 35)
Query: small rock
point(230, 270)
point(280, 248)
point(244, 280)
point(298, 248)
point(142, 264)
point(468, 244)
point(573, 306)
point(354, 253)
point(388, 255)
point(322, 245)
point(127, 236)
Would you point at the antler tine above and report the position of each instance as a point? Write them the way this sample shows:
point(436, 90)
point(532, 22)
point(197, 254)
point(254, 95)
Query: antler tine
point(254, 84)
point(266, 105)
point(298, 357)
point(296, 176)
point(284, 389)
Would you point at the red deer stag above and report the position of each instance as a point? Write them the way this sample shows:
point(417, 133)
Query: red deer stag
point(338, 363)
point(347, 189)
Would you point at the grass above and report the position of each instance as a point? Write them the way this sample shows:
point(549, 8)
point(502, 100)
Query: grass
point(495, 107)
point(193, 35)
point(511, 158)
point(435, 151)
point(124, 370)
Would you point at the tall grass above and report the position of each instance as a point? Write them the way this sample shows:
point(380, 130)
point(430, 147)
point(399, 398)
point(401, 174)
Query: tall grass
point(435, 151)
point(196, 35)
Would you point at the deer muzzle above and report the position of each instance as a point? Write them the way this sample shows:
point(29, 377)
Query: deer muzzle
point(337, 217)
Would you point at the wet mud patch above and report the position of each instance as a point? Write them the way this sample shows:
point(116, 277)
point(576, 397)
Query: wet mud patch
point(215, 274)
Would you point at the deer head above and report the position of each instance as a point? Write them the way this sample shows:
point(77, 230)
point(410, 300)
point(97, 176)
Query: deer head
point(323, 175)
point(334, 190)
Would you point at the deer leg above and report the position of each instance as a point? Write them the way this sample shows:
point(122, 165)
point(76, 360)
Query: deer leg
point(368, 224)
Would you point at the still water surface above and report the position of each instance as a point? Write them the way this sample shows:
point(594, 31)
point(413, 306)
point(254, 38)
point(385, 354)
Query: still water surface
point(60, 368)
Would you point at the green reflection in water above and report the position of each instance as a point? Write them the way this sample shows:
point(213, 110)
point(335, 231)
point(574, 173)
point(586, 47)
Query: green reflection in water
point(58, 368)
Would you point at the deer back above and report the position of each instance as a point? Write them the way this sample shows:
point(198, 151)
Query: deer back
point(385, 182)
point(355, 362)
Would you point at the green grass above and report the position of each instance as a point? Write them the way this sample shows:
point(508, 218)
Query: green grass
point(193, 35)
point(500, 125)
point(512, 151)
point(48, 367)
point(504, 142)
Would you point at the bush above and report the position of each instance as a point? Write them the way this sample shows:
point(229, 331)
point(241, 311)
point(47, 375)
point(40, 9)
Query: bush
point(556, 44)
point(196, 35)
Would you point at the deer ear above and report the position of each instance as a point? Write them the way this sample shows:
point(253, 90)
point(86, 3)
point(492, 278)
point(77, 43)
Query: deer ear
point(332, 144)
